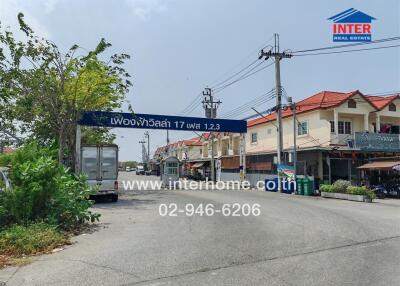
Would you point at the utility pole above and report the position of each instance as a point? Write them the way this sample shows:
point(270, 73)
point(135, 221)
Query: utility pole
point(143, 151)
point(167, 137)
point(147, 134)
point(242, 157)
point(78, 149)
point(210, 107)
point(274, 53)
point(293, 108)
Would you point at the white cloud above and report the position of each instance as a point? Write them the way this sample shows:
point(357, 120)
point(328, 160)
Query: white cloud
point(49, 5)
point(145, 8)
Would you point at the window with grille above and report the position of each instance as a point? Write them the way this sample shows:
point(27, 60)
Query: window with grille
point(302, 128)
point(344, 127)
point(392, 107)
point(172, 168)
point(253, 137)
point(332, 126)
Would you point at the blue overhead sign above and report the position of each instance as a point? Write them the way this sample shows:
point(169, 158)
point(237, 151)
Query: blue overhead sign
point(149, 121)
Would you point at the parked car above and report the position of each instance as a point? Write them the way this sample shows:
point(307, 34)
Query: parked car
point(5, 183)
point(128, 169)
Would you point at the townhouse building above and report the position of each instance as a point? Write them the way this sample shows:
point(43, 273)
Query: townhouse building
point(187, 151)
point(336, 133)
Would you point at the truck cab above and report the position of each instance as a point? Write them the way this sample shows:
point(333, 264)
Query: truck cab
point(100, 165)
point(139, 170)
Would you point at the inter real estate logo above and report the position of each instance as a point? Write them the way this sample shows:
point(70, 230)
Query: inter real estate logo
point(352, 26)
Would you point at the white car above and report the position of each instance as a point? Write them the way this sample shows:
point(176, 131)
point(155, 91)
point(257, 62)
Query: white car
point(4, 180)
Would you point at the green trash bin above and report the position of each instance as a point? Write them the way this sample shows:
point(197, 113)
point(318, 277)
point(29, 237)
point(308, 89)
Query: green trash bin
point(299, 187)
point(307, 186)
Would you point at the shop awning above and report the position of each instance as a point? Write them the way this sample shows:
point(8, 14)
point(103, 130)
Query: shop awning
point(382, 165)
point(198, 165)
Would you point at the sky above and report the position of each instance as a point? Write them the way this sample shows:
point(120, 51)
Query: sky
point(178, 47)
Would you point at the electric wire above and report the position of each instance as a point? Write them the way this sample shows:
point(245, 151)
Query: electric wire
point(262, 46)
point(195, 102)
point(247, 106)
point(348, 45)
point(347, 51)
point(244, 76)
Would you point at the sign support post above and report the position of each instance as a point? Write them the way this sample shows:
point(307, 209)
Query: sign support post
point(78, 150)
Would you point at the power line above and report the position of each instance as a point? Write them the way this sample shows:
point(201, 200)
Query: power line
point(263, 45)
point(346, 51)
point(349, 45)
point(235, 74)
point(193, 102)
point(246, 75)
point(197, 100)
point(258, 100)
point(246, 107)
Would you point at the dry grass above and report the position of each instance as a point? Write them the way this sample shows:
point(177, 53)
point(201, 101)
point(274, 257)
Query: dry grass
point(18, 242)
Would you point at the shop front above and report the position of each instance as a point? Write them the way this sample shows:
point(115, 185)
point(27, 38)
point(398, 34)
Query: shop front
point(382, 172)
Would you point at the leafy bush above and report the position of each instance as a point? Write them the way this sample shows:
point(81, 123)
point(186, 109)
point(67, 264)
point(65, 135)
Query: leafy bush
point(44, 191)
point(326, 188)
point(363, 191)
point(20, 240)
point(340, 186)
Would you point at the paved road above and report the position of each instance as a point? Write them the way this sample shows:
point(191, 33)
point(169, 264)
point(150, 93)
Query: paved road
point(295, 241)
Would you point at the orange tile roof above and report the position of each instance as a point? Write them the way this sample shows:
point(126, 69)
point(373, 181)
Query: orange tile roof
point(321, 100)
point(381, 102)
point(192, 142)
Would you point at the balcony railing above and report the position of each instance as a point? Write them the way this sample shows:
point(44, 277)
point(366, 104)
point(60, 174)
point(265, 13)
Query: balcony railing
point(377, 142)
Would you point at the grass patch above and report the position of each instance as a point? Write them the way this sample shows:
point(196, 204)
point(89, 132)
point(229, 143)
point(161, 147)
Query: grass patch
point(18, 241)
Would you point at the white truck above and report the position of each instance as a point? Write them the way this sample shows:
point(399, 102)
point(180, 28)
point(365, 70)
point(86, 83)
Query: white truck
point(100, 164)
point(139, 170)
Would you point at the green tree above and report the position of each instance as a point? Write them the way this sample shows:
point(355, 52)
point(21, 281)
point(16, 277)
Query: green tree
point(43, 90)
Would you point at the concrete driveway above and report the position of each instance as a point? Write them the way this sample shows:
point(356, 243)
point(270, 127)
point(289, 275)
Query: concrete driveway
point(295, 241)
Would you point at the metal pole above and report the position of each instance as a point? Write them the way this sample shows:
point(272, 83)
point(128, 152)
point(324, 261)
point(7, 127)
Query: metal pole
point(242, 149)
point(294, 142)
point(143, 151)
point(212, 144)
point(241, 173)
point(78, 150)
point(278, 104)
point(148, 150)
point(167, 137)
point(211, 112)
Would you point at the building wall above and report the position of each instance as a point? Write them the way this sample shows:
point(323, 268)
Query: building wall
point(318, 133)
point(390, 117)
point(194, 152)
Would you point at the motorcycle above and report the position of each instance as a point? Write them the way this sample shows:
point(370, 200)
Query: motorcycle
point(379, 191)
